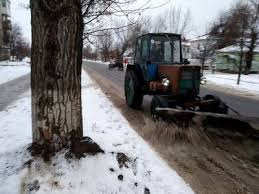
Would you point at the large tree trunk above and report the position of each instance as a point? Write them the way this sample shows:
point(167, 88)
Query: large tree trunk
point(57, 28)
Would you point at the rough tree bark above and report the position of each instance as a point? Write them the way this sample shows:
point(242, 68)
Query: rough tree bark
point(57, 29)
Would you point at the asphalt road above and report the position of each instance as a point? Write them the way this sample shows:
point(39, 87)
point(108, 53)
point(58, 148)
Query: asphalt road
point(11, 90)
point(245, 106)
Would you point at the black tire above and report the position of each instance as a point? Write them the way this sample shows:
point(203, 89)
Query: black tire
point(218, 106)
point(132, 88)
point(110, 66)
point(157, 102)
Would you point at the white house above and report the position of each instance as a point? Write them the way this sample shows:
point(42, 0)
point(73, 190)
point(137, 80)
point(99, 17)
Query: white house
point(197, 46)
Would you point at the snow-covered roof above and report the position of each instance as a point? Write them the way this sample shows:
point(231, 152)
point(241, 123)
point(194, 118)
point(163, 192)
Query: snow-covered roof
point(186, 43)
point(236, 48)
point(204, 37)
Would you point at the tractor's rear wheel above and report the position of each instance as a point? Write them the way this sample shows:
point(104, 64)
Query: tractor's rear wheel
point(132, 87)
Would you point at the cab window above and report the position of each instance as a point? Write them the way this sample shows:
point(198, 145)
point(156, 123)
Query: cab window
point(144, 52)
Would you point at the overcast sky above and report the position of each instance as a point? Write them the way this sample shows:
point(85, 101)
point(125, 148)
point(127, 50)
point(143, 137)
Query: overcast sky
point(202, 11)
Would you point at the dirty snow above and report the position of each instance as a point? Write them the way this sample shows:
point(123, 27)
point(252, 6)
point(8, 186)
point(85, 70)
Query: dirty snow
point(12, 70)
point(248, 83)
point(105, 125)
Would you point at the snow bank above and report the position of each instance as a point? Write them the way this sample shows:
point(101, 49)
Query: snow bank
point(24, 62)
point(93, 174)
point(97, 61)
point(9, 72)
point(248, 83)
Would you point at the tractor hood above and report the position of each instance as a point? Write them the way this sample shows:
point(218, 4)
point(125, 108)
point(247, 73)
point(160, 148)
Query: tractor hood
point(183, 78)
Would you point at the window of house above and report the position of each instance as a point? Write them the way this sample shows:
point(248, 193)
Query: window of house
point(199, 46)
point(4, 3)
point(4, 18)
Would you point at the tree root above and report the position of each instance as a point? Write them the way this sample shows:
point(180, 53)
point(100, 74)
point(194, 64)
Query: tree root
point(78, 147)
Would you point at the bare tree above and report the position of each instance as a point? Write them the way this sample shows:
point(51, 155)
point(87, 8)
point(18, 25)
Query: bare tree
point(99, 15)
point(16, 36)
point(105, 44)
point(174, 20)
point(125, 38)
point(206, 51)
point(19, 46)
point(159, 23)
point(89, 52)
point(233, 28)
point(57, 29)
point(122, 45)
point(143, 26)
point(229, 27)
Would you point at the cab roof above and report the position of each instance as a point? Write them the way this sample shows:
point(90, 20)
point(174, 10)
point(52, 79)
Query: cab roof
point(160, 34)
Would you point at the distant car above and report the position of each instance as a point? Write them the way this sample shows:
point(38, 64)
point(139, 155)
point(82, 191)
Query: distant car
point(115, 64)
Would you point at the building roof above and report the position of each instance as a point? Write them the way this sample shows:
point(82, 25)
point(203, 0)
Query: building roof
point(186, 44)
point(203, 37)
point(161, 34)
point(236, 48)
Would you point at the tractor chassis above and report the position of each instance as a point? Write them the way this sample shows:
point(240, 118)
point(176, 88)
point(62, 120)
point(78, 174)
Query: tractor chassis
point(203, 105)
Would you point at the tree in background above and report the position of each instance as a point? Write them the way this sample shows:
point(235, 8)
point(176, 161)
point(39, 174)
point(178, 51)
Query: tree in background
point(102, 26)
point(240, 22)
point(121, 41)
point(206, 51)
point(174, 20)
point(100, 15)
point(105, 44)
point(125, 38)
point(141, 27)
point(20, 48)
point(89, 52)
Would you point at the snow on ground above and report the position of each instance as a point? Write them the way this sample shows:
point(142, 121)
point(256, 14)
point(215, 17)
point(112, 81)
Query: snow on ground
point(25, 62)
point(12, 70)
point(248, 83)
point(93, 174)
point(98, 61)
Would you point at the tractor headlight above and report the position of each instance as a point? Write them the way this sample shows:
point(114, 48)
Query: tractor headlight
point(203, 80)
point(165, 82)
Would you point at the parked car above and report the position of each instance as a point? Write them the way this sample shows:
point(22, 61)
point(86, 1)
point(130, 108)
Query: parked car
point(115, 64)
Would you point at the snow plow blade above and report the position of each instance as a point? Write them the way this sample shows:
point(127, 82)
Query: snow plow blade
point(245, 126)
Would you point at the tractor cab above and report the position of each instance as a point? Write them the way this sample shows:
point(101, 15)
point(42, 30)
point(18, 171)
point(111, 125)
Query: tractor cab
point(158, 49)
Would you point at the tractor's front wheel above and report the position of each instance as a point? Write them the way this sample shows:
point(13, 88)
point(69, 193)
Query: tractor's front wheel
point(132, 87)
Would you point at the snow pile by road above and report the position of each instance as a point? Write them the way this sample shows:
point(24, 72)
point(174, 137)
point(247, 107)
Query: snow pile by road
point(248, 83)
point(25, 62)
point(142, 172)
point(16, 69)
point(97, 61)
